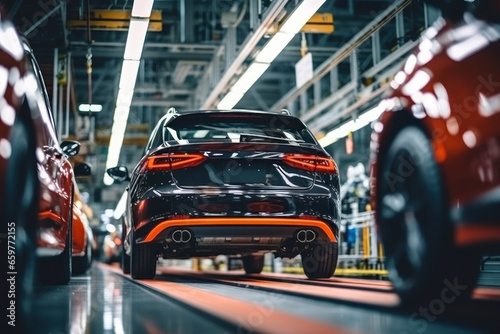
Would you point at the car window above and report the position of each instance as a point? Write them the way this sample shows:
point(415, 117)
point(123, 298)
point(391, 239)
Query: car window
point(35, 83)
point(237, 127)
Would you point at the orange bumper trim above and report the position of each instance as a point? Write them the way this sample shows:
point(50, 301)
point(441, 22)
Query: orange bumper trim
point(239, 221)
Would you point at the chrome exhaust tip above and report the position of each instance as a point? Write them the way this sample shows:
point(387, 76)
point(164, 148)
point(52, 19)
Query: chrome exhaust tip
point(306, 236)
point(181, 236)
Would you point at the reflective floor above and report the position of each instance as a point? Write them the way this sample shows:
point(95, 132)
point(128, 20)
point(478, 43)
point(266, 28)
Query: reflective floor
point(103, 301)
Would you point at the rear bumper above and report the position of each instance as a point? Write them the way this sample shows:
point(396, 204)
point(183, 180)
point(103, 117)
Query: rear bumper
point(257, 230)
point(148, 212)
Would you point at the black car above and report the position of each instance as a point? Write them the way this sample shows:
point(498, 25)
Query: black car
point(233, 182)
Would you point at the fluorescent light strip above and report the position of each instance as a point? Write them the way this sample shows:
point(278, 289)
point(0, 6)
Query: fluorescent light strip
point(139, 22)
point(90, 107)
point(129, 74)
point(135, 38)
point(274, 47)
point(142, 8)
point(300, 15)
point(296, 20)
point(352, 126)
point(230, 100)
point(252, 74)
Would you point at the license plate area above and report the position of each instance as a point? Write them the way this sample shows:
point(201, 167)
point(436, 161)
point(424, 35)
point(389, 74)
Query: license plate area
point(245, 173)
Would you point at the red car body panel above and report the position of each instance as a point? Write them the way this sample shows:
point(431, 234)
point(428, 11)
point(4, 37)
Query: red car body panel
point(80, 236)
point(450, 87)
point(54, 170)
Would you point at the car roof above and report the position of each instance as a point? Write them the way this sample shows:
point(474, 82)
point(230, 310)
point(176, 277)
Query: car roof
point(173, 113)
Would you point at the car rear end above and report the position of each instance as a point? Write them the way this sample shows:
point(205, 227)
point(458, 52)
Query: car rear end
point(235, 183)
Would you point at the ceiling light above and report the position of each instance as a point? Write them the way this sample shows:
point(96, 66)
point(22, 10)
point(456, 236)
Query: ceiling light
point(274, 47)
point(300, 15)
point(135, 38)
point(124, 98)
point(295, 21)
point(252, 74)
point(139, 22)
point(129, 74)
point(142, 8)
point(90, 107)
point(230, 100)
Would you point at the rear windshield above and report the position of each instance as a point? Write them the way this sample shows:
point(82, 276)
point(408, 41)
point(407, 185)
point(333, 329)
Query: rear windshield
point(237, 127)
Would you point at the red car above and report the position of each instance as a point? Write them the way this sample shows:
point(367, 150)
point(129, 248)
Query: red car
point(82, 236)
point(18, 172)
point(36, 177)
point(56, 176)
point(436, 157)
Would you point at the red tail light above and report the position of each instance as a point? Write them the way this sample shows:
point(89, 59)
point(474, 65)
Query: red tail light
point(311, 163)
point(174, 161)
point(265, 207)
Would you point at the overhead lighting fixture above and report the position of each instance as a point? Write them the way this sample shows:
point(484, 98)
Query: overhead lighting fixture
point(274, 47)
point(142, 8)
point(300, 15)
point(139, 22)
point(354, 125)
point(135, 38)
point(292, 25)
point(129, 74)
point(252, 74)
point(90, 107)
point(230, 100)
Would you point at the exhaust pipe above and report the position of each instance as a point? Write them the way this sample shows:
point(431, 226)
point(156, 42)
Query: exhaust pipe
point(181, 236)
point(306, 236)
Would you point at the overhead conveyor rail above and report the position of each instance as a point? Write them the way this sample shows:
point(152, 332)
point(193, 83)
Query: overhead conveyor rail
point(372, 57)
point(351, 97)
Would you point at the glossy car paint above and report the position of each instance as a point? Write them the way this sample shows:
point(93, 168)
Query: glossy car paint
point(450, 87)
point(12, 63)
point(80, 231)
point(54, 170)
point(241, 197)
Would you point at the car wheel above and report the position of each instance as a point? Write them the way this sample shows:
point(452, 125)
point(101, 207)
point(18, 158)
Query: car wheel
point(125, 259)
point(82, 263)
point(415, 227)
point(253, 264)
point(57, 269)
point(20, 205)
point(320, 260)
point(143, 260)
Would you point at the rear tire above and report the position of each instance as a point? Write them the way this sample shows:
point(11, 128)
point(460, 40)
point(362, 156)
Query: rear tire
point(143, 260)
point(320, 260)
point(253, 264)
point(20, 211)
point(417, 234)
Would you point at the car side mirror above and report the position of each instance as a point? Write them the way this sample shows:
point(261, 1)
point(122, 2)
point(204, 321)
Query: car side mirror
point(119, 173)
point(70, 147)
point(83, 169)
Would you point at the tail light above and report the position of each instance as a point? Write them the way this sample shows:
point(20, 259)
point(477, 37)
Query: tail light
point(172, 161)
point(265, 207)
point(311, 163)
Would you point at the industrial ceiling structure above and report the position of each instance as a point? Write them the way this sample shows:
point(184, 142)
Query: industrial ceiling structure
point(196, 50)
